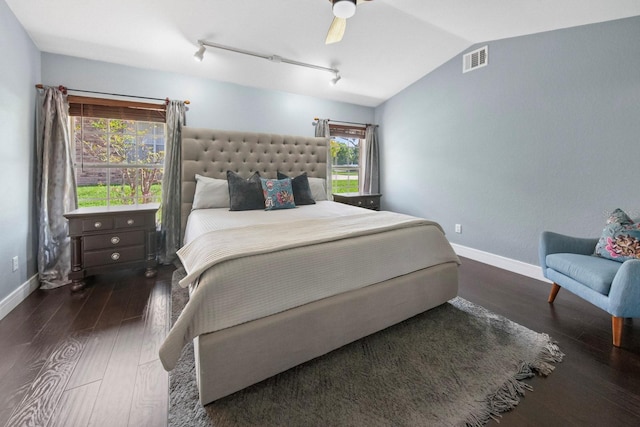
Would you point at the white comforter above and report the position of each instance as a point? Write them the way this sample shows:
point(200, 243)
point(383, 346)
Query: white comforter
point(246, 273)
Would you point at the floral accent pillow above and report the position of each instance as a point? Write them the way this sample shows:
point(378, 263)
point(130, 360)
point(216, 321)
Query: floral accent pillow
point(620, 240)
point(278, 194)
point(619, 217)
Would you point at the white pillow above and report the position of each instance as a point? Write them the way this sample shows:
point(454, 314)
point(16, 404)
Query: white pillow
point(318, 190)
point(210, 193)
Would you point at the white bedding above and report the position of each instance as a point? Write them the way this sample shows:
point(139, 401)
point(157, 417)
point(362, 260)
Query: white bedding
point(203, 220)
point(243, 289)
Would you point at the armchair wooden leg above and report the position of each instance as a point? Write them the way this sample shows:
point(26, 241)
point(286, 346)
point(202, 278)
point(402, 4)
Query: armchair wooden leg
point(554, 292)
point(616, 329)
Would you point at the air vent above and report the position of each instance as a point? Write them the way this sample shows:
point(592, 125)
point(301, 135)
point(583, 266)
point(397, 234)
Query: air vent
point(476, 59)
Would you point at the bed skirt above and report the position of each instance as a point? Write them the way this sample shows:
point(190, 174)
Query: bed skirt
point(237, 357)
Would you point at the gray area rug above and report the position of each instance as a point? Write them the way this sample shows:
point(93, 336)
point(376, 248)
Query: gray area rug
point(455, 365)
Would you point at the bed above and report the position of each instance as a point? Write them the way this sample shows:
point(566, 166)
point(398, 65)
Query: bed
point(270, 290)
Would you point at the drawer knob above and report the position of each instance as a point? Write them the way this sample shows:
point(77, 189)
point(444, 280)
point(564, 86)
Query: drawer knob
point(130, 221)
point(115, 240)
point(97, 224)
point(359, 202)
point(370, 202)
point(115, 256)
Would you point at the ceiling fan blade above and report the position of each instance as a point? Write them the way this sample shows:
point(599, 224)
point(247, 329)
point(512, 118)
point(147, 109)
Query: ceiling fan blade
point(336, 30)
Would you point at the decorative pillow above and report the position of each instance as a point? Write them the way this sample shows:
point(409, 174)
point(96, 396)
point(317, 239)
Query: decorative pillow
point(318, 190)
point(620, 217)
point(210, 193)
point(301, 190)
point(278, 194)
point(620, 239)
point(244, 194)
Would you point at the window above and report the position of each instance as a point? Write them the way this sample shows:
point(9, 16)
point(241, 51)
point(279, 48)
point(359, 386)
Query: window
point(119, 151)
point(345, 151)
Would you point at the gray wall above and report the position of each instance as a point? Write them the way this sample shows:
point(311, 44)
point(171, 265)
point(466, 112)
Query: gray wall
point(19, 72)
point(214, 104)
point(546, 137)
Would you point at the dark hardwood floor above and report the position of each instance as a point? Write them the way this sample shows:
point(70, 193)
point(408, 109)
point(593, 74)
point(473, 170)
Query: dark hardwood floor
point(596, 384)
point(91, 358)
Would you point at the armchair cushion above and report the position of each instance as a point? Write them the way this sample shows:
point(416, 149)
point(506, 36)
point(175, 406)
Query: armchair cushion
point(553, 243)
point(594, 272)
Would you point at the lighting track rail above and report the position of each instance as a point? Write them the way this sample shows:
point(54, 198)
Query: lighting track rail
point(199, 56)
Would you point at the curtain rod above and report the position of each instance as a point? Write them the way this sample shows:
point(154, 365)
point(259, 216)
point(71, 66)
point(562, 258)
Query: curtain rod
point(64, 90)
point(341, 121)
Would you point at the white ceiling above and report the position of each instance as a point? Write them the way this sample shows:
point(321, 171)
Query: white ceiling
point(388, 45)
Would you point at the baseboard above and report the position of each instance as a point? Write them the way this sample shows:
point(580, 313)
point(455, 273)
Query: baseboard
point(504, 263)
point(20, 294)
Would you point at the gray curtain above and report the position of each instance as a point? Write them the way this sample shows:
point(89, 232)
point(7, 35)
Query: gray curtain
point(55, 187)
point(370, 166)
point(322, 130)
point(171, 201)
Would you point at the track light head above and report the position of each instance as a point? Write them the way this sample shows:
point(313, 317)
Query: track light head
point(344, 8)
point(335, 80)
point(199, 55)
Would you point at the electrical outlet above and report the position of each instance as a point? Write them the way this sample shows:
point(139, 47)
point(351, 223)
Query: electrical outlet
point(458, 228)
point(15, 264)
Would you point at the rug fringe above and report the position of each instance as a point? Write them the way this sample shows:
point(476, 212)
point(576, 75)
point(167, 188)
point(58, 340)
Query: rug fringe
point(509, 394)
point(550, 354)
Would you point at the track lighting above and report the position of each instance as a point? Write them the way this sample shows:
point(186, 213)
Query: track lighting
point(334, 81)
point(344, 8)
point(199, 55)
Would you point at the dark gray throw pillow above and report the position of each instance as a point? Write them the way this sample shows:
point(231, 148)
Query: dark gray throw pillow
point(245, 194)
point(301, 190)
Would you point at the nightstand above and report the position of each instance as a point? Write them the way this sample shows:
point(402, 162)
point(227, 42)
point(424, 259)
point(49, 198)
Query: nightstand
point(112, 237)
point(363, 200)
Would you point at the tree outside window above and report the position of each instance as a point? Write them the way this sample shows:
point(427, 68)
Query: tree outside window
point(345, 164)
point(118, 162)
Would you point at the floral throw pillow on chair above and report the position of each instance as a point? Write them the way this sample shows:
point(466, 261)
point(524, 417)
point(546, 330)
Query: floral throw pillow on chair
point(620, 240)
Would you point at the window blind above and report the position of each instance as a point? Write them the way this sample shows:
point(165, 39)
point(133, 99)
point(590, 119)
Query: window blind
point(116, 109)
point(346, 131)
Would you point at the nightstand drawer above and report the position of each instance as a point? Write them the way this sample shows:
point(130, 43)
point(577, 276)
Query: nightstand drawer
point(113, 240)
point(97, 223)
point(368, 202)
point(113, 256)
point(130, 221)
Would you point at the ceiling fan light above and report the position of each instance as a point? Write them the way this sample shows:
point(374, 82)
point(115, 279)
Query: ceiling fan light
point(344, 8)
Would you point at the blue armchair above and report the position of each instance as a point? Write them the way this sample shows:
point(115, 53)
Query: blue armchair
point(612, 286)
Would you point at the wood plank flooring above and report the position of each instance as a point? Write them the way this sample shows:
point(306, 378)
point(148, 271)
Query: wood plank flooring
point(90, 359)
point(87, 359)
point(597, 384)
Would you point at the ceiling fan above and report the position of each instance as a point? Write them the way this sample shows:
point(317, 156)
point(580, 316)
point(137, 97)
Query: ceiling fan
point(342, 10)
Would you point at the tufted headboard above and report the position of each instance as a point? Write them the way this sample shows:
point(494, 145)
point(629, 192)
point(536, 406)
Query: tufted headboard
point(212, 153)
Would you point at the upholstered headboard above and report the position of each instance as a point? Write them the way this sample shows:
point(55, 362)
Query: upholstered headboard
point(212, 153)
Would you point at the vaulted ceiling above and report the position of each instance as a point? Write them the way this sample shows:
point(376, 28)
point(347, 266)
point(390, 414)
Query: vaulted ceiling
point(388, 44)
